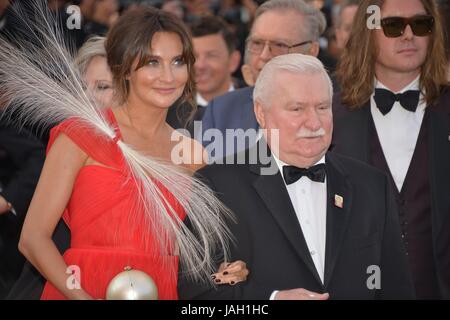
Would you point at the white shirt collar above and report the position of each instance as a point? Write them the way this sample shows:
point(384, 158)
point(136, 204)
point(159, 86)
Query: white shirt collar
point(203, 102)
point(414, 85)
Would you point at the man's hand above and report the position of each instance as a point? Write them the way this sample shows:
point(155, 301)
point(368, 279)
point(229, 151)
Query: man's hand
point(5, 206)
point(300, 294)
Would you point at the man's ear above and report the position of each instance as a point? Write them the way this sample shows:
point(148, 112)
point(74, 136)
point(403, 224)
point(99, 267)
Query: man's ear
point(235, 60)
point(314, 50)
point(248, 75)
point(259, 113)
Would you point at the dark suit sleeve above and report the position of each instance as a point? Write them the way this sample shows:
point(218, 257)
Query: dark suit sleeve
point(240, 249)
point(20, 166)
point(27, 154)
point(208, 121)
point(189, 289)
point(249, 289)
point(396, 281)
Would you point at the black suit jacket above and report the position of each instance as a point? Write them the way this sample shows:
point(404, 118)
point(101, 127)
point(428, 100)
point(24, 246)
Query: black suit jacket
point(351, 137)
point(178, 116)
point(268, 236)
point(21, 160)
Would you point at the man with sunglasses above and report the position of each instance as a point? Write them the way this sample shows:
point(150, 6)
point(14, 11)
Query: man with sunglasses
point(280, 27)
point(394, 113)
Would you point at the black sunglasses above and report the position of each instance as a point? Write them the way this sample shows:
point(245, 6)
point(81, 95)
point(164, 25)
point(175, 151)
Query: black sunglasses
point(394, 27)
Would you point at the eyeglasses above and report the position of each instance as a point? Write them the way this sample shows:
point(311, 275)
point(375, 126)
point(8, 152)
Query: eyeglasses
point(394, 27)
point(256, 46)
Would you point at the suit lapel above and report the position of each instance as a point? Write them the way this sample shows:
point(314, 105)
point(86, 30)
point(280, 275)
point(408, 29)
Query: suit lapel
point(351, 135)
point(337, 217)
point(274, 195)
point(439, 146)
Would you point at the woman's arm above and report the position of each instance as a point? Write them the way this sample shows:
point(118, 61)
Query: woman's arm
point(52, 194)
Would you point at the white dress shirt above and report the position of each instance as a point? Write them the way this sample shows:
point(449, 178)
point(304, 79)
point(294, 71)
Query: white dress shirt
point(398, 131)
point(203, 102)
point(309, 200)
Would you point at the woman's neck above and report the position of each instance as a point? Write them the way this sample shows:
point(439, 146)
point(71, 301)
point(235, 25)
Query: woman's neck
point(147, 121)
point(396, 81)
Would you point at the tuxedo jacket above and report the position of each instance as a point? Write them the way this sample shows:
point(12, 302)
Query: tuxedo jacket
point(351, 137)
point(362, 235)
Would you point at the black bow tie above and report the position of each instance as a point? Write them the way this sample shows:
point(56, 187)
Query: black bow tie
point(385, 99)
point(315, 173)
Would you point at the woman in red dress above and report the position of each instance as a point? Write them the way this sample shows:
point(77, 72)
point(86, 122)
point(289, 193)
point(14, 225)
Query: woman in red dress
point(88, 181)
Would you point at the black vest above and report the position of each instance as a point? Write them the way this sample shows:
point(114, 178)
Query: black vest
point(414, 203)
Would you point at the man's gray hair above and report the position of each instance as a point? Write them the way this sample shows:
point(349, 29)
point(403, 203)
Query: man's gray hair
point(294, 62)
point(315, 19)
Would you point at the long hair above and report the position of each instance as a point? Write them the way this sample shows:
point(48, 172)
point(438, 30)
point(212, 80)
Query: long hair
point(39, 80)
point(356, 69)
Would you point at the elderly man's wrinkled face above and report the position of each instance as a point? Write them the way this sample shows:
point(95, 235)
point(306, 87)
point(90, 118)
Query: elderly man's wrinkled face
point(300, 107)
point(282, 27)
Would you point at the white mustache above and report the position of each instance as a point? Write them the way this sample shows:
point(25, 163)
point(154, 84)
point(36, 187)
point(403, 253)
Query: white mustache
point(305, 133)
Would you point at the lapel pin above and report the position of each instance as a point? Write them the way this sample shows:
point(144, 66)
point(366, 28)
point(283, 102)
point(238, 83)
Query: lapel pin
point(338, 201)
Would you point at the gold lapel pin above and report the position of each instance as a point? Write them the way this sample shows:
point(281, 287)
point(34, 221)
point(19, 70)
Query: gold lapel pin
point(338, 201)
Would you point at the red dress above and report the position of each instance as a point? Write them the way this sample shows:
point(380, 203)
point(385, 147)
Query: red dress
point(105, 238)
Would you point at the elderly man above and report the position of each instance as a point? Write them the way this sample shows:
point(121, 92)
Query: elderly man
point(323, 226)
point(280, 27)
